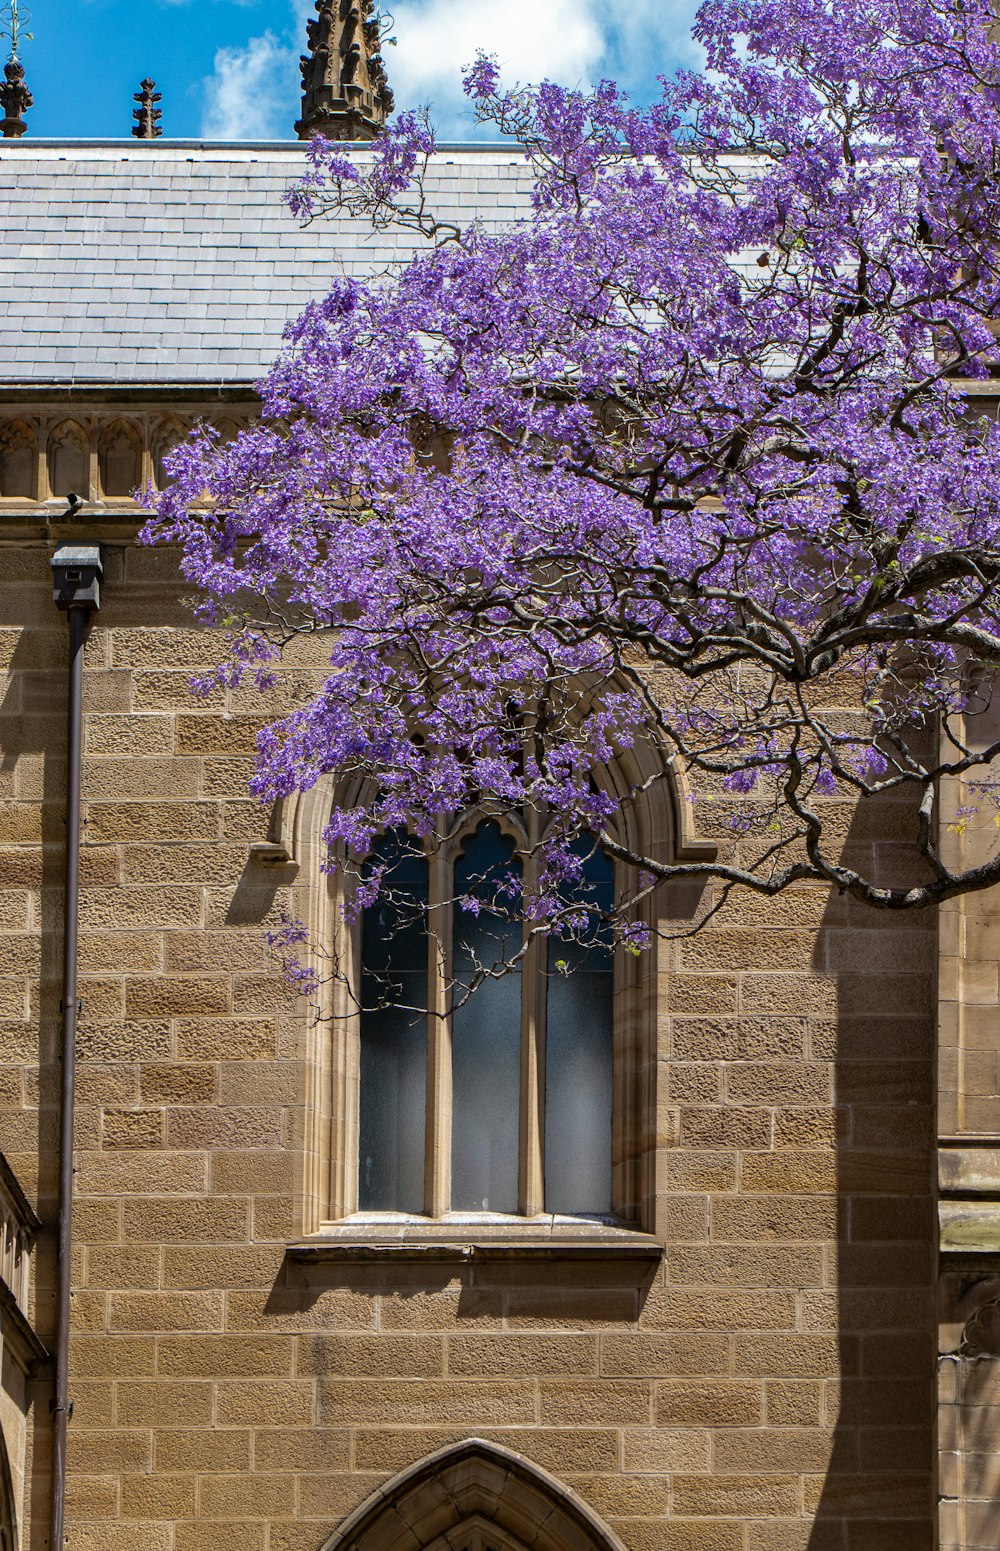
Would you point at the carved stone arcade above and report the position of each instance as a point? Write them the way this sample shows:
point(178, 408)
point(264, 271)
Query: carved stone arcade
point(101, 457)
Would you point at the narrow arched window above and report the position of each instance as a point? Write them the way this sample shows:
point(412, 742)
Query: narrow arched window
point(483, 1088)
point(485, 1030)
point(393, 1057)
point(578, 1055)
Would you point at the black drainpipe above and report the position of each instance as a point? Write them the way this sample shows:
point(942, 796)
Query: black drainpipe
point(77, 574)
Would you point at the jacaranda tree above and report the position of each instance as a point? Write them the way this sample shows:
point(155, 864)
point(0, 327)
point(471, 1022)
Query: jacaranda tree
point(690, 456)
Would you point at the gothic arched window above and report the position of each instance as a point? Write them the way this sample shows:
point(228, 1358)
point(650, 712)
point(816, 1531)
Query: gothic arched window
point(583, 1036)
point(485, 1072)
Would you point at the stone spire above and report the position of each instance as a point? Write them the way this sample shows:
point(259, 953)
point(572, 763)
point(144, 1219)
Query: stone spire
point(15, 98)
point(147, 115)
point(345, 94)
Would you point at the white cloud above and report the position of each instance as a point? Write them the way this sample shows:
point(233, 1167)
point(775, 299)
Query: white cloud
point(560, 39)
point(253, 92)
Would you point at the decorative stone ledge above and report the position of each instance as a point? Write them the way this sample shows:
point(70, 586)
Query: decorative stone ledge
point(969, 1227)
point(969, 1169)
point(470, 1243)
point(969, 1207)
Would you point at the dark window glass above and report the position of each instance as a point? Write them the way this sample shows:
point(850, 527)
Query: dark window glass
point(486, 1029)
point(578, 1054)
point(393, 1073)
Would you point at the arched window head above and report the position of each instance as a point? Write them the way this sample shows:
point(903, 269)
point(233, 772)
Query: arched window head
point(474, 1496)
point(486, 1051)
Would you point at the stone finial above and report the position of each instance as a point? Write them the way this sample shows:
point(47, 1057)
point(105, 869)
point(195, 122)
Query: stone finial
point(147, 115)
point(15, 99)
point(345, 94)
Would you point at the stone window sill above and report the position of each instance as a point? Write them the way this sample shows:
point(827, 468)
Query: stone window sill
point(474, 1237)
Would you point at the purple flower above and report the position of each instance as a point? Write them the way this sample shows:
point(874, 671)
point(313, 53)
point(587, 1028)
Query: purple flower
point(664, 491)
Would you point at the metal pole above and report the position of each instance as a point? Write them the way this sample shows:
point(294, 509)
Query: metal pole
point(78, 616)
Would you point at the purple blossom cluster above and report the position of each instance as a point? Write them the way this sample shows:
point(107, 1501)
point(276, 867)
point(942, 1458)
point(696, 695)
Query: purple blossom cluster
point(659, 466)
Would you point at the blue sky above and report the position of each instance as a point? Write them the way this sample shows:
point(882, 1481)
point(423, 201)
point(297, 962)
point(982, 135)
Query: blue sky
point(228, 68)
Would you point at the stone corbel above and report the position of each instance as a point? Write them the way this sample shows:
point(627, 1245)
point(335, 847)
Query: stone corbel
point(278, 848)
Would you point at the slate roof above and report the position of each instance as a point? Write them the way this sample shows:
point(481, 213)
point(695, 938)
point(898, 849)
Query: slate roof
point(177, 262)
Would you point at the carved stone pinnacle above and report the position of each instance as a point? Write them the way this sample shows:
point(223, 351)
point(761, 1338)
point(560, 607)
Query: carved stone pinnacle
point(15, 99)
point(345, 95)
point(147, 115)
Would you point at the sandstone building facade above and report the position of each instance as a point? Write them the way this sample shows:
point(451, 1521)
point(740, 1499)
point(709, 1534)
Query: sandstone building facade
point(739, 1356)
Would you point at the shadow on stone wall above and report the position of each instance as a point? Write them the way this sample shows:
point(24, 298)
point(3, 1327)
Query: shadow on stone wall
point(878, 1492)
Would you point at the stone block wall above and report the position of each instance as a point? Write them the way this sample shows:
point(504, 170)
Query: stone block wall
point(763, 1385)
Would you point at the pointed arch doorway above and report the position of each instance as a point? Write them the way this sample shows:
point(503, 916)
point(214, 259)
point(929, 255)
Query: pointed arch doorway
point(473, 1496)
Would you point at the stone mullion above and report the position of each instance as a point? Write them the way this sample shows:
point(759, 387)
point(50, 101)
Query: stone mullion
point(44, 483)
point(633, 1109)
point(146, 460)
point(344, 1080)
point(437, 1144)
point(39, 485)
point(95, 490)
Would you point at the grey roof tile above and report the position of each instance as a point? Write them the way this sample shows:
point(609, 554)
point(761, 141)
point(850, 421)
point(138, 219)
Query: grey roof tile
point(155, 264)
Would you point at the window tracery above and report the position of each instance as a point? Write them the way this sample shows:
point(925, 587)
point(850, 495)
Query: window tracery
point(100, 451)
point(653, 819)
